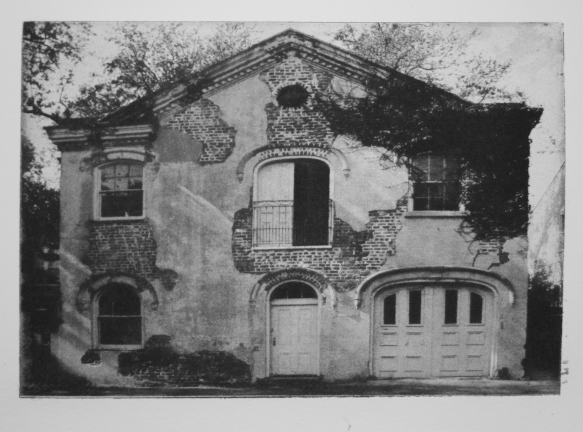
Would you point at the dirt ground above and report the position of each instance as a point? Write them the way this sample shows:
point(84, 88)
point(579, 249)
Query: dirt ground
point(397, 387)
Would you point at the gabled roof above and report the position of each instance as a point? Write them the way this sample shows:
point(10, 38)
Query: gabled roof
point(253, 60)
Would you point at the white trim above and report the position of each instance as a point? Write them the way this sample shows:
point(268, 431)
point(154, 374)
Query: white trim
point(268, 367)
point(95, 325)
point(331, 214)
point(97, 189)
point(288, 158)
point(266, 248)
point(433, 213)
point(494, 327)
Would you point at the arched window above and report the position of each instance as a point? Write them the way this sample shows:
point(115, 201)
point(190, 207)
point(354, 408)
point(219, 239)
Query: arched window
point(436, 183)
point(119, 316)
point(293, 290)
point(292, 205)
point(120, 191)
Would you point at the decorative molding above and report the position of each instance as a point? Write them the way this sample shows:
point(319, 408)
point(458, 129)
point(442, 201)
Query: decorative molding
point(100, 157)
point(269, 152)
point(423, 275)
point(270, 280)
point(88, 289)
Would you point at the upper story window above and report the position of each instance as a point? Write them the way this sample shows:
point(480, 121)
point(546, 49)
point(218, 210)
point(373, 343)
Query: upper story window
point(121, 193)
point(436, 183)
point(292, 205)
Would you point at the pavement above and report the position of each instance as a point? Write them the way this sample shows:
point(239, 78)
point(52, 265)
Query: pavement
point(369, 388)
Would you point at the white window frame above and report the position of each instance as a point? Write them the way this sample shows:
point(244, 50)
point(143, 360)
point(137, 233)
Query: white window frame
point(97, 172)
point(330, 197)
point(412, 212)
point(95, 324)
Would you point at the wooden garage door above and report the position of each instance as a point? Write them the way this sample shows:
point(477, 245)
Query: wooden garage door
point(433, 332)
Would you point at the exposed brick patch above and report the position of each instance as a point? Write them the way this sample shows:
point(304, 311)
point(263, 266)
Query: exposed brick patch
point(317, 280)
point(295, 71)
point(385, 224)
point(159, 365)
point(203, 121)
point(126, 247)
point(305, 126)
point(353, 256)
point(490, 246)
point(293, 151)
point(297, 127)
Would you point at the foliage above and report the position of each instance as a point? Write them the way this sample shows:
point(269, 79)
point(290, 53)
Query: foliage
point(39, 211)
point(49, 52)
point(435, 54)
point(406, 118)
point(544, 324)
point(150, 58)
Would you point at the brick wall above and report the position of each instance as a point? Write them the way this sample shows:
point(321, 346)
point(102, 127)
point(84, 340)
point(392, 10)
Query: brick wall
point(126, 247)
point(352, 257)
point(203, 121)
point(159, 365)
point(303, 126)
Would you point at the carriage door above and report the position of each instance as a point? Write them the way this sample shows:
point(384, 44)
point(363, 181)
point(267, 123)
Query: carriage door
point(433, 331)
point(294, 341)
point(403, 333)
point(463, 332)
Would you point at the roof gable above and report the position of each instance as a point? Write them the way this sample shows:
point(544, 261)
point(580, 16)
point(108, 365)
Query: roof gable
point(254, 60)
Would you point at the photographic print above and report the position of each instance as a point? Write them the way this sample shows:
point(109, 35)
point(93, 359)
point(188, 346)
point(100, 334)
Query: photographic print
point(242, 209)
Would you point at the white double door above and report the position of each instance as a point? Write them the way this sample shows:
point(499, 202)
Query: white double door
point(294, 341)
point(435, 331)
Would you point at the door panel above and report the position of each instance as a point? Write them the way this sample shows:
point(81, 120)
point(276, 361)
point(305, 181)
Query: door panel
point(453, 338)
point(294, 337)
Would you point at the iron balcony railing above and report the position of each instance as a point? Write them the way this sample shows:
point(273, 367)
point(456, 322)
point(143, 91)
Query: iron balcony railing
point(273, 225)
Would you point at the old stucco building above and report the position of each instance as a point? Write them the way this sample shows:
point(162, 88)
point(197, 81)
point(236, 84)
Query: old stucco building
point(224, 215)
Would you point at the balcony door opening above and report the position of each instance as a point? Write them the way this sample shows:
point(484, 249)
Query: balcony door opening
point(292, 205)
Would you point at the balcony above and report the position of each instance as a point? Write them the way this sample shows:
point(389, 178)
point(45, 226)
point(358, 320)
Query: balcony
point(280, 224)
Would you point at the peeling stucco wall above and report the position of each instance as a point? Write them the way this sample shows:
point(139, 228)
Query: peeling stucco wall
point(198, 221)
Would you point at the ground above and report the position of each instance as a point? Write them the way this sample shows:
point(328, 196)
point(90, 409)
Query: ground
point(397, 387)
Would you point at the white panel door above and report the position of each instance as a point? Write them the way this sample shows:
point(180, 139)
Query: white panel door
point(294, 337)
point(433, 332)
point(403, 341)
point(462, 343)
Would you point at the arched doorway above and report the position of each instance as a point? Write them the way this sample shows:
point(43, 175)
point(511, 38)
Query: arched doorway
point(294, 344)
point(433, 330)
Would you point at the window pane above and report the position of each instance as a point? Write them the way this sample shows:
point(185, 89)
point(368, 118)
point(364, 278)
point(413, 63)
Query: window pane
point(121, 183)
point(414, 307)
point(120, 330)
point(119, 300)
point(136, 171)
point(121, 170)
point(476, 307)
point(135, 183)
point(293, 290)
point(435, 168)
point(421, 163)
point(121, 204)
point(390, 310)
point(107, 184)
point(450, 307)
point(108, 171)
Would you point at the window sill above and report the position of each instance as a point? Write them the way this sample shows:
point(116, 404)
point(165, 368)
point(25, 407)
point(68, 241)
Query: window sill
point(434, 214)
point(267, 248)
point(118, 347)
point(120, 219)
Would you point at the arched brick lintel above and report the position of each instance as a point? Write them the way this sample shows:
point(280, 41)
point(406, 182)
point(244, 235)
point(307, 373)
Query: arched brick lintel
point(468, 275)
point(89, 288)
point(270, 151)
point(270, 280)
